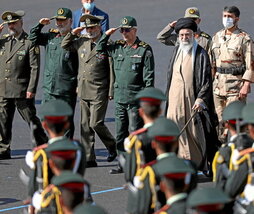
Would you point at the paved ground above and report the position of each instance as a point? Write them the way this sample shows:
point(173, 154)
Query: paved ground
point(151, 16)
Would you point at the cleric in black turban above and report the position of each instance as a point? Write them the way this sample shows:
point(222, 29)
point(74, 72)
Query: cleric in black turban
point(185, 23)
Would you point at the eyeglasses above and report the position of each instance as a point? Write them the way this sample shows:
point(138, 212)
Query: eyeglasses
point(127, 30)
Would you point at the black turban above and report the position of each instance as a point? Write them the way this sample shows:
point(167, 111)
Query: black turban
point(185, 23)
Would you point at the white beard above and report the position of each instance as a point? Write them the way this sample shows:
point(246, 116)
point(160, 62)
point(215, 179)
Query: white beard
point(185, 47)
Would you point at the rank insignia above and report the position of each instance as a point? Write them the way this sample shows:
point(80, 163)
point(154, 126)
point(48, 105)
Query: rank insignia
point(60, 11)
point(191, 11)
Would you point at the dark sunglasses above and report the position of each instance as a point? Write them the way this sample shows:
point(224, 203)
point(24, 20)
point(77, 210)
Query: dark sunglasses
point(127, 30)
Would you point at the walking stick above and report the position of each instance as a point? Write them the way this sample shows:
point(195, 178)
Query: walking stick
point(186, 124)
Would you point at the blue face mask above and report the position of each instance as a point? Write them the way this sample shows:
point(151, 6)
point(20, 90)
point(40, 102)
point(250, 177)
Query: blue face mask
point(89, 6)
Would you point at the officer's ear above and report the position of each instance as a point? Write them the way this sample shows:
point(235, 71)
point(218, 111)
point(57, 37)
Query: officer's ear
point(163, 185)
point(141, 112)
point(154, 144)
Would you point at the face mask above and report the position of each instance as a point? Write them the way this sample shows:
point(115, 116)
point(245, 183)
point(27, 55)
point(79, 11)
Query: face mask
point(228, 22)
point(89, 6)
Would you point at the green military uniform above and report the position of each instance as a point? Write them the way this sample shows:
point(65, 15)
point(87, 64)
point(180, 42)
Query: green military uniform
point(19, 74)
point(138, 144)
point(51, 196)
point(61, 66)
point(167, 37)
point(207, 200)
point(54, 111)
point(145, 197)
point(134, 70)
point(222, 162)
point(95, 82)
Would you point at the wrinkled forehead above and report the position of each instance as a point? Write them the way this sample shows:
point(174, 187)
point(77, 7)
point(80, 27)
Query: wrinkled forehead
point(185, 31)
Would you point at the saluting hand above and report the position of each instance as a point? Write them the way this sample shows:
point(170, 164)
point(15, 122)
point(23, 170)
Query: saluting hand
point(77, 30)
point(1, 27)
point(111, 31)
point(172, 24)
point(44, 21)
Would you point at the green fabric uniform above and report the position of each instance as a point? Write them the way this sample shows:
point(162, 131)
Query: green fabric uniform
point(95, 80)
point(61, 68)
point(19, 73)
point(134, 70)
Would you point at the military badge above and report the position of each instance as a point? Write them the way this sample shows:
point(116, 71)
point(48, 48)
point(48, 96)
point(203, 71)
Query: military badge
point(191, 11)
point(124, 21)
point(60, 11)
point(9, 17)
point(20, 58)
point(88, 21)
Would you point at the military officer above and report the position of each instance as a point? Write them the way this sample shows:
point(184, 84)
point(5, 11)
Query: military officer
point(239, 140)
point(207, 200)
point(167, 37)
point(134, 70)
point(61, 66)
point(19, 74)
point(232, 63)
point(95, 81)
point(145, 195)
point(150, 100)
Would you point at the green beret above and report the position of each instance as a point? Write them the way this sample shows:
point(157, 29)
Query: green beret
point(200, 198)
point(90, 20)
point(233, 111)
point(248, 113)
point(151, 95)
point(63, 13)
point(89, 209)
point(163, 129)
point(67, 177)
point(10, 17)
point(55, 108)
point(128, 22)
point(177, 168)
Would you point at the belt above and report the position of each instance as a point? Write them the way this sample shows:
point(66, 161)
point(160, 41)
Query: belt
point(233, 71)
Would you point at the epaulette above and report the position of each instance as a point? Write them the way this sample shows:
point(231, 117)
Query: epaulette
point(244, 34)
point(139, 131)
point(43, 146)
point(246, 151)
point(120, 42)
point(53, 30)
point(203, 34)
point(143, 44)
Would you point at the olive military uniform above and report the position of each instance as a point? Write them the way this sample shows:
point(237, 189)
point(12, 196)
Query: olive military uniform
point(95, 80)
point(19, 74)
point(134, 70)
point(61, 66)
point(167, 37)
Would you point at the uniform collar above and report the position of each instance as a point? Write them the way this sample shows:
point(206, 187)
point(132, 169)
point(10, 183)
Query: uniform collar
point(54, 139)
point(165, 155)
point(147, 125)
point(176, 197)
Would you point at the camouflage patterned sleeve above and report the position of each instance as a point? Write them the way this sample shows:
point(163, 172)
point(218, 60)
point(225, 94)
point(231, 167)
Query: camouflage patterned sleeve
point(248, 51)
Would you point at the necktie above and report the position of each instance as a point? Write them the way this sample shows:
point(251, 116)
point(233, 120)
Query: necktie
point(13, 42)
point(92, 45)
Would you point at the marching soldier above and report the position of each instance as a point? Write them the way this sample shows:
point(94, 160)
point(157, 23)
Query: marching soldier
point(95, 87)
point(138, 145)
point(61, 66)
point(134, 70)
point(19, 74)
point(167, 37)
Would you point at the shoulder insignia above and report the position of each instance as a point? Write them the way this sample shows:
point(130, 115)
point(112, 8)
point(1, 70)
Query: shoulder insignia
point(120, 42)
point(43, 146)
point(53, 30)
point(203, 34)
point(139, 131)
point(143, 44)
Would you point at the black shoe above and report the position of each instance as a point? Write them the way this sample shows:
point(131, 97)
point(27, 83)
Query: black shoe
point(5, 156)
point(111, 156)
point(90, 164)
point(117, 170)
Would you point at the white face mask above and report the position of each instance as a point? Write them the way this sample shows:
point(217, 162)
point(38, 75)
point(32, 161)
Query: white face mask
point(228, 22)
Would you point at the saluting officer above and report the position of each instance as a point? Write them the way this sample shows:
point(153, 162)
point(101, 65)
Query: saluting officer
point(232, 63)
point(61, 66)
point(167, 37)
point(19, 74)
point(134, 71)
point(95, 82)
